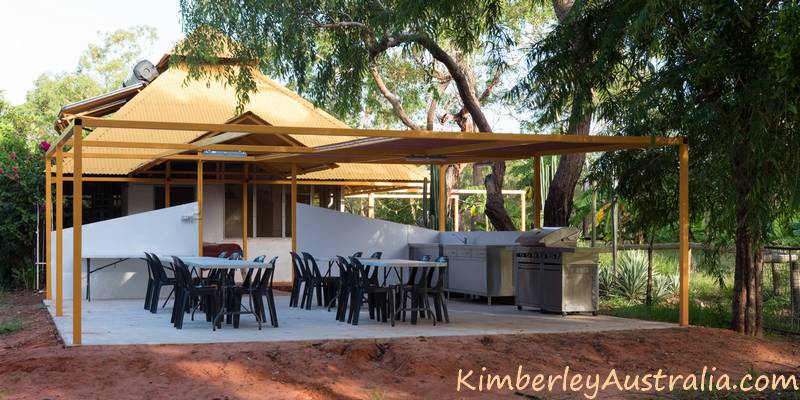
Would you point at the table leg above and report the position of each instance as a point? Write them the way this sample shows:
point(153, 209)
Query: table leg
point(88, 278)
point(223, 278)
point(402, 292)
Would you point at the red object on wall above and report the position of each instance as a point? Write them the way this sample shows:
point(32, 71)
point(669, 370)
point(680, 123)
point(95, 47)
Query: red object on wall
point(214, 249)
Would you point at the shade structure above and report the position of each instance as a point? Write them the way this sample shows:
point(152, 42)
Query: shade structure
point(172, 97)
point(364, 146)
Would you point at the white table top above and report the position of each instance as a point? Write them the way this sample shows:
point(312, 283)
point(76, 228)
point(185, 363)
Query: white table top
point(400, 263)
point(218, 263)
point(113, 256)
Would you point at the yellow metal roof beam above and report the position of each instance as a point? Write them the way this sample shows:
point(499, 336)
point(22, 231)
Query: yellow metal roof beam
point(192, 146)
point(285, 130)
point(66, 134)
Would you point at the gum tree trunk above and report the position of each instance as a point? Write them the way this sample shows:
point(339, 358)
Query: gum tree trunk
point(558, 205)
point(746, 315)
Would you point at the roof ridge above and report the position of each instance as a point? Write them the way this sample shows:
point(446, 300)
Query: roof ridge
point(300, 99)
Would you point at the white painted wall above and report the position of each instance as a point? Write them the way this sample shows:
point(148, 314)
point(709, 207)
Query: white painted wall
point(327, 233)
point(164, 231)
point(322, 232)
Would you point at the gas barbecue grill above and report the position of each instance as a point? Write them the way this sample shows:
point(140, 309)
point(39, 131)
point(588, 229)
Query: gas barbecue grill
point(553, 274)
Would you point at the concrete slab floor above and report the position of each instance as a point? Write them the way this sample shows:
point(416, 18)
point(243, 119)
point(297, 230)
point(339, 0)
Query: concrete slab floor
point(119, 322)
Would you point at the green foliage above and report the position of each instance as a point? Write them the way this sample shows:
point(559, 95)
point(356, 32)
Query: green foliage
point(324, 48)
point(51, 92)
point(109, 62)
point(25, 276)
point(10, 326)
point(404, 211)
point(21, 188)
point(102, 67)
point(629, 281)
point(722, 74)
point(715, 315)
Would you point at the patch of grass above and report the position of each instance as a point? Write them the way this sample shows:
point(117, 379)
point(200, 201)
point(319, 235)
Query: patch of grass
point(10, 326)
point(376, 396)
point(715, 315)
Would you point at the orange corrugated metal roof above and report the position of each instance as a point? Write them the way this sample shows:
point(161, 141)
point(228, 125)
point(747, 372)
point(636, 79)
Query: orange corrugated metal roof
point(173, 98)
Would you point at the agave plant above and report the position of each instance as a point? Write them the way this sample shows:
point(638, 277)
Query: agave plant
point(664, 286)
point(604, 280)
point(630, 281)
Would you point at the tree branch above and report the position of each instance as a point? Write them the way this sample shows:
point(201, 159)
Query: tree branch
point(431, 114)
point(392, 99)
point(471, 103)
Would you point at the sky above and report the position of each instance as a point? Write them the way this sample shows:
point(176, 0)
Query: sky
point(38, 36)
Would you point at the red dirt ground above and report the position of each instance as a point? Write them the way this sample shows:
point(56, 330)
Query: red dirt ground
point(34, 364)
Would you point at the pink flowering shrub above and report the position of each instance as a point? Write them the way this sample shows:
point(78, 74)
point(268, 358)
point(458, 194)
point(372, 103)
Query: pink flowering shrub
point(21, 193)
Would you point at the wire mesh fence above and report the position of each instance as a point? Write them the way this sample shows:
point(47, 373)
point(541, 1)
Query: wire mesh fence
point(781, 290)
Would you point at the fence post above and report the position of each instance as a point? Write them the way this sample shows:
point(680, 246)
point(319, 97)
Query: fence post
point(795, 284)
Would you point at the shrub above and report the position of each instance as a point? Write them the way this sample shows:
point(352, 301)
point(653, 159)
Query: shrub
point(664, 286)
point(21, 192)
point(25, 276)
point(629, 283)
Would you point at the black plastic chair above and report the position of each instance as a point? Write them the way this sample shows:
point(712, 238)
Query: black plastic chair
point(436, 290)
point(261, 286)
point(149, 292)
point(381, 296)
point(406, 290)
point(299, 278)
point(262, 290)
point(376, 255)
point(188, 289)
point(345, 286)
point(323, 285)
point(160, 280)
point(373, 280)
point(253, 274)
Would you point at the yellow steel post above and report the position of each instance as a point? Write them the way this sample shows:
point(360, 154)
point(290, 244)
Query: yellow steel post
point(294, 207)
point(59, 232)
point(200, 207)
point(244, 213)
point(48, 227)
point(683, 155)
point(537, 192)
point(77, 231)
point(442, 198)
